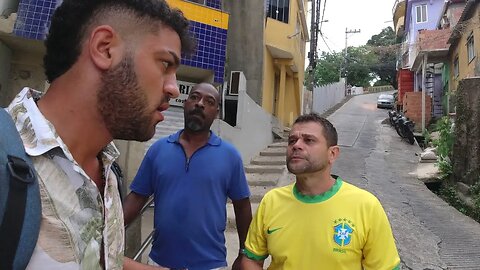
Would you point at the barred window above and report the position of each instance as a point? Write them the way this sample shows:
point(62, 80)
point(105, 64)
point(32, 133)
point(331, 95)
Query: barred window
point(278, 9)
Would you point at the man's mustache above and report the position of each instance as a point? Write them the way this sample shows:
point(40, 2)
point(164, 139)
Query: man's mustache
point(197, 112)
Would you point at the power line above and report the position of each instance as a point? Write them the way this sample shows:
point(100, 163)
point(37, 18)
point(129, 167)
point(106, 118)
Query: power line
point(324, 41)
point(323, 16)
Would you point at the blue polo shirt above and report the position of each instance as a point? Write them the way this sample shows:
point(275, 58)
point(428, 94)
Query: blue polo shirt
point(190, 200)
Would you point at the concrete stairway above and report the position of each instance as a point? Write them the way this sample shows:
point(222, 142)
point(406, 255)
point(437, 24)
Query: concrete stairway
point(172, 123)
point(263, 174)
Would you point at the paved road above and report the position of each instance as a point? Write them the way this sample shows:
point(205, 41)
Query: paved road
point(429, 233)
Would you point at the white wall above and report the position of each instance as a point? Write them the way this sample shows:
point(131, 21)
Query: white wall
point(357, 90)
point(253, 131)
point(327, 96)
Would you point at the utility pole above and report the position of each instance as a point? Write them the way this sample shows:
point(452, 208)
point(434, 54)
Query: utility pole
point(312, 55)
point(354, 31)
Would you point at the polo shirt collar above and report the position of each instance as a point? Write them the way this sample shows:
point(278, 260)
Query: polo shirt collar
point(214, 140)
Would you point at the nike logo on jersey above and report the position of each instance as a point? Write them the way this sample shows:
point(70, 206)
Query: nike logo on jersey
point(273, 230)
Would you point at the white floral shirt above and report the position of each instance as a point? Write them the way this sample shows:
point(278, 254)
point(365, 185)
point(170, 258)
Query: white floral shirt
point(76, 221)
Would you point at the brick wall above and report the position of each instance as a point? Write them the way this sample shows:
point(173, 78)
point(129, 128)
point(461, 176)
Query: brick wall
point(405, 83)
point(412, 107)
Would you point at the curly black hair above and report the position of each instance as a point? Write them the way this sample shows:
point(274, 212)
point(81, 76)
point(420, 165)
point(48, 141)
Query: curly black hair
point(329, 131)
point(72, 19)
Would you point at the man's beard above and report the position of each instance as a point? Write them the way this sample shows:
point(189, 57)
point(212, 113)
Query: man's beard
point(123, 105)
point(306, 167)
point(193, 123)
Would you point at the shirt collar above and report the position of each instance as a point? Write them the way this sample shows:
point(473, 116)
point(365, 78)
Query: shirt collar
point(213, 140)
point(38, 134)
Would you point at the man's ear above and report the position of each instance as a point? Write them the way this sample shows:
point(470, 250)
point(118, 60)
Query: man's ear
point(104, 46)
point(333, 153)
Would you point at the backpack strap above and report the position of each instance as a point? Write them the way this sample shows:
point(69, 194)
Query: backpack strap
point(20, 207)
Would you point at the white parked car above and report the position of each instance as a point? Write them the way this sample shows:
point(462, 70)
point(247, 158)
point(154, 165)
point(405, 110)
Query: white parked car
point(386, 101)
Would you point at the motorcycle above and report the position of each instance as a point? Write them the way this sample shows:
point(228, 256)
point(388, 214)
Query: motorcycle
point(403, 126)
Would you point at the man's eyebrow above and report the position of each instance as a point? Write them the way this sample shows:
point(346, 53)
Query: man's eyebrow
point(176, 59)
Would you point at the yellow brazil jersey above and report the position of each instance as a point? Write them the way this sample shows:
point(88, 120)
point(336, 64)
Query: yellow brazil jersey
point(344, 228)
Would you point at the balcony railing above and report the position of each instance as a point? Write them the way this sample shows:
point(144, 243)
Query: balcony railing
point(397, 2)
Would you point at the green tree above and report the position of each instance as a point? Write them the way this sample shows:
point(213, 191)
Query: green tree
point(363, 64)
point(358, 66)
point(384, 47)
point(327, 69)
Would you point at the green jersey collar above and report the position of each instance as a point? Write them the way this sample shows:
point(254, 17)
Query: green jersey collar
point(321, 197)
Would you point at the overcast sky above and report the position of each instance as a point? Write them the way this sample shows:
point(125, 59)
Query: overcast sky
point(370, 16)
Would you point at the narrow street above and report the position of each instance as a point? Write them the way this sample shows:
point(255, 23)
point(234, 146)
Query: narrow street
point(429, 233)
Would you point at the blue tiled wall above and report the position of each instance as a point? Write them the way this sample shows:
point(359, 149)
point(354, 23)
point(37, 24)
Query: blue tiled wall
point(212, 43)
point(214, 4)
point(33, 18)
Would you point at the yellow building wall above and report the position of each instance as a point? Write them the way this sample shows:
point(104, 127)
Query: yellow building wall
point(288, 43)
point(466, 69)
point(268, 82)
point(201, 14)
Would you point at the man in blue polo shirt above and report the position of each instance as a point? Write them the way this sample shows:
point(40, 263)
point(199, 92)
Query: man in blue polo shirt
point(191, 174)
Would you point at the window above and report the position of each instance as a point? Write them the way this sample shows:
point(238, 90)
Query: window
point(470, 48)
point(278, 9)
point(455, 67)
point(421, 11)
point(202, 2)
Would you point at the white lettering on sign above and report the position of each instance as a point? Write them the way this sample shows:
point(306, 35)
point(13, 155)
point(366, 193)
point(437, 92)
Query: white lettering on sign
point(184, 89)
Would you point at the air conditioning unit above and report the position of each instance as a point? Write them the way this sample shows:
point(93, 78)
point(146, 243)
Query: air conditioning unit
point(238, 83)
point(8, 7)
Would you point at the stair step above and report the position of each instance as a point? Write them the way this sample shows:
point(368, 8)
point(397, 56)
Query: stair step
point(271, 152)
point(231, 224)
point(257, 192)
point(268, 160)
point(262, 179)
point(278, 145)
point(264, 169)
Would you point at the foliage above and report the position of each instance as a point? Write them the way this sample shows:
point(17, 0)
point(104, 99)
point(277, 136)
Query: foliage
point(475, 193)
point(385, 38)
point(448, 193)
point(376, 60)
point(328, 68)
point(383, 46)
point(358, 66)
point(444, 145)
point(446, 138)
point(427, 138)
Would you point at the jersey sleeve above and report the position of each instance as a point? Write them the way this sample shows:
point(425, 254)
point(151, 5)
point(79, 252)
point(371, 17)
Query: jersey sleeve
point(256, 243)
point(143, 181)
point(238, 186)
point(380, 252)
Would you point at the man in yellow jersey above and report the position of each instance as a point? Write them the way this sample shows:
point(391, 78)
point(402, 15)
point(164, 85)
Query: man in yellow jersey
point(320, 221)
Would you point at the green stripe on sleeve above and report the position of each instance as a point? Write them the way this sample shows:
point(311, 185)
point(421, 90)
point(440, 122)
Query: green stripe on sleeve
point(396, 267)
point(253, 256)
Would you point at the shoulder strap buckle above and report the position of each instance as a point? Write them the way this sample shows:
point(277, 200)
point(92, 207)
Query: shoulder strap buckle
point(20, 170)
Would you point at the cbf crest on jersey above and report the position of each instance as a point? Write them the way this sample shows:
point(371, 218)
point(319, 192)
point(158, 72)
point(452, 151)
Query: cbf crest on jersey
point(343, 231)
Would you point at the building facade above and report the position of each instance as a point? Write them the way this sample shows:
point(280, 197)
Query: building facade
point(266, 42)
point(464, 44)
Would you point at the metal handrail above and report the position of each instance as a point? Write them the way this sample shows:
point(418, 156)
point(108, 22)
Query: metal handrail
point(149, 238)
point(144, 208)
point(144, 246)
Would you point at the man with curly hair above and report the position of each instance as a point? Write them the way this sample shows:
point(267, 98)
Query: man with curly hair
point(112, 68)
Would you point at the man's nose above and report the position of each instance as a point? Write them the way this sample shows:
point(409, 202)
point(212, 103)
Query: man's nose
point(201, 102)
point(297, 145)
point(170, 87)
